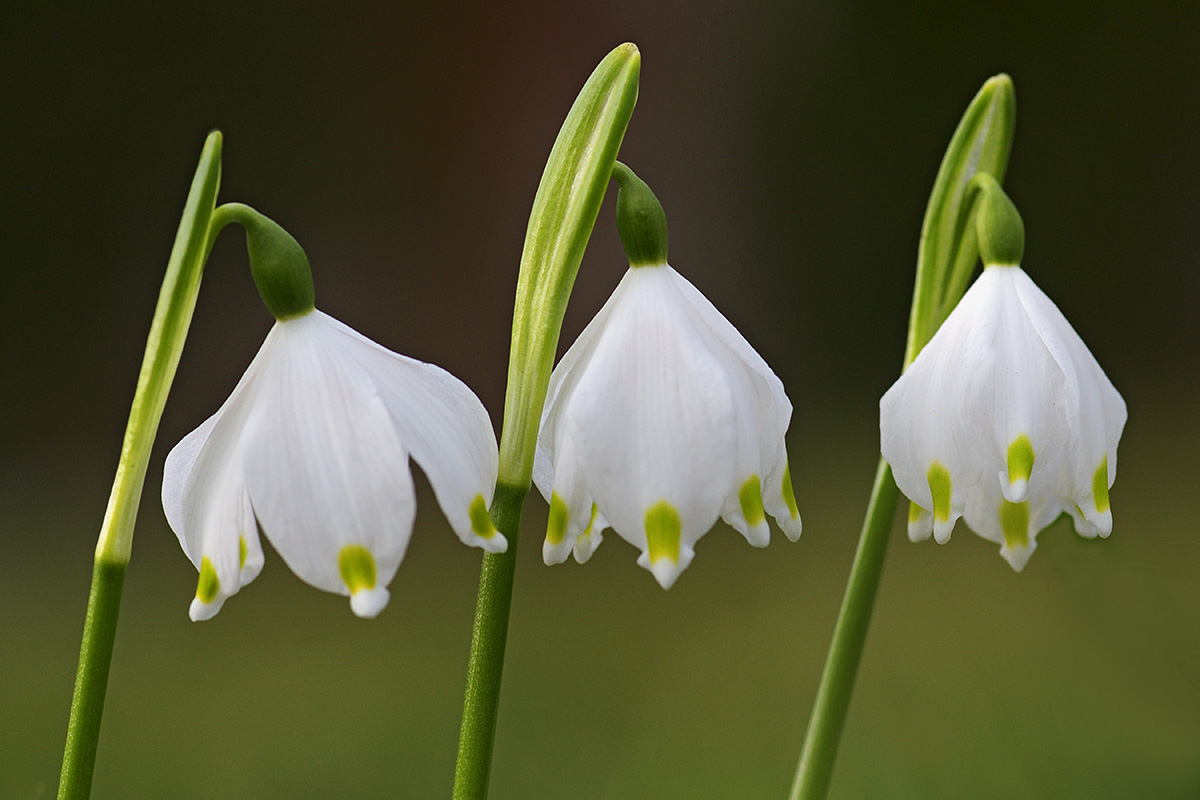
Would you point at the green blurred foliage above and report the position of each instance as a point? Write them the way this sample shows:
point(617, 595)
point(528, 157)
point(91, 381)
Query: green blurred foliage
point(793, 147)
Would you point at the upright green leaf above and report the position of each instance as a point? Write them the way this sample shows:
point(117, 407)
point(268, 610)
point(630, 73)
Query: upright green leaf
point(564, 212)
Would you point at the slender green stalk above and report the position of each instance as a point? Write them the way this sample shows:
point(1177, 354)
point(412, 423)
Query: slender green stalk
point(849, 636)
point(564, 212)
point(173, 314)
point(91, 680)
point(946, 259)
point(488, 639)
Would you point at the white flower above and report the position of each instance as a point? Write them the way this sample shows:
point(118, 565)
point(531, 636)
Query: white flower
point(1005, 419)
point(312, 449)
point(659, 419)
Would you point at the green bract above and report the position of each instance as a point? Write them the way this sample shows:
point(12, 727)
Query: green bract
point(947, 253)
point(564, 213)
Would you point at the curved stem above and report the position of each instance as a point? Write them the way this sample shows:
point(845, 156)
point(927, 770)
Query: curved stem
point(849, 635)
point(488, 639)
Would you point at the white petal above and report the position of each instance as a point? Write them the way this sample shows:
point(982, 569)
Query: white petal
point(1014, 526)
point(367, 603)
point(653, 416)
point(665, 570)
point(589, 539)
point(778, 497)
point(920, 523)
point(571, 507)
point(1094, 410)
point(205, 498)
point(1022, 395)
point(925, 418)
point(763, 414)
point(324, 466)
point(444, 426)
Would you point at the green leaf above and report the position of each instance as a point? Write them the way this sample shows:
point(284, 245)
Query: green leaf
point(948, 250)
point(164, 345)
point(564, 212)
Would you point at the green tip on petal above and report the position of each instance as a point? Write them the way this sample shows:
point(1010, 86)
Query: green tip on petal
point(750, 497)
point(641, 221)
point(209, 585)
point(1020, 459)
point(357, 568)
point(939, 488)
point(788, 496)
point(556, 525)
point(481, 521)
point(914, 512)
point(662, 532)
point(1100, 486)
point(1014, 522)
point(241, 552)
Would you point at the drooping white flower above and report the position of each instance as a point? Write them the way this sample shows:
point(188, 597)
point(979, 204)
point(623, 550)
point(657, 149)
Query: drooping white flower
point(312, 448)
point(1005, 419)
point(659, 419)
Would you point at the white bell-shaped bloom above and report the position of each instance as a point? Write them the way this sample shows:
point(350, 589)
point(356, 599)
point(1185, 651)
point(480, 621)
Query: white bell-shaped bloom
point(659, 419)
point(312, 448)
point(1005, 419)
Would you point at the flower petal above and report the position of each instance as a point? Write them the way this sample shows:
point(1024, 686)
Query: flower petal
point(1094, 410)
point(444, 426)
point(653, 415)
point(206, 503)
point(327, 475)
point(1014, 526)
point(926, 419)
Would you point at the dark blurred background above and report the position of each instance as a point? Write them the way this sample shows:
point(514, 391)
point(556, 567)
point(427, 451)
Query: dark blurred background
point(794, 147)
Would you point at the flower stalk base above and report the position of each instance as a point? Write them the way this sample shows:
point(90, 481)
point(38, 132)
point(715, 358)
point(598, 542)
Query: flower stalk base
point(488, 639)
point(91, 682)
point(845, 651)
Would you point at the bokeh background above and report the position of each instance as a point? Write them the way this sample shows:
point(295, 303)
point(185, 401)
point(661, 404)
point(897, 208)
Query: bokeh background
point(794, 146)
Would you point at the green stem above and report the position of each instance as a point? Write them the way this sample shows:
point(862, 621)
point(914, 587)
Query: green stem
point(488, 639)
point(91, 681)
point(849, 635)
point(172, 316)
point(564, 212)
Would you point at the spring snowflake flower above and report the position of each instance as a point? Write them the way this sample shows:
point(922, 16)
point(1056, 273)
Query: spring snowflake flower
point(659, 419)
point(312, 449)
point(1005, 419)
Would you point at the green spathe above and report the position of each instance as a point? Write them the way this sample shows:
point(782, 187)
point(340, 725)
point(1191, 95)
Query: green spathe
point(277, 262)
point(564, 212)
point(641, 221)
point(947, 252)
